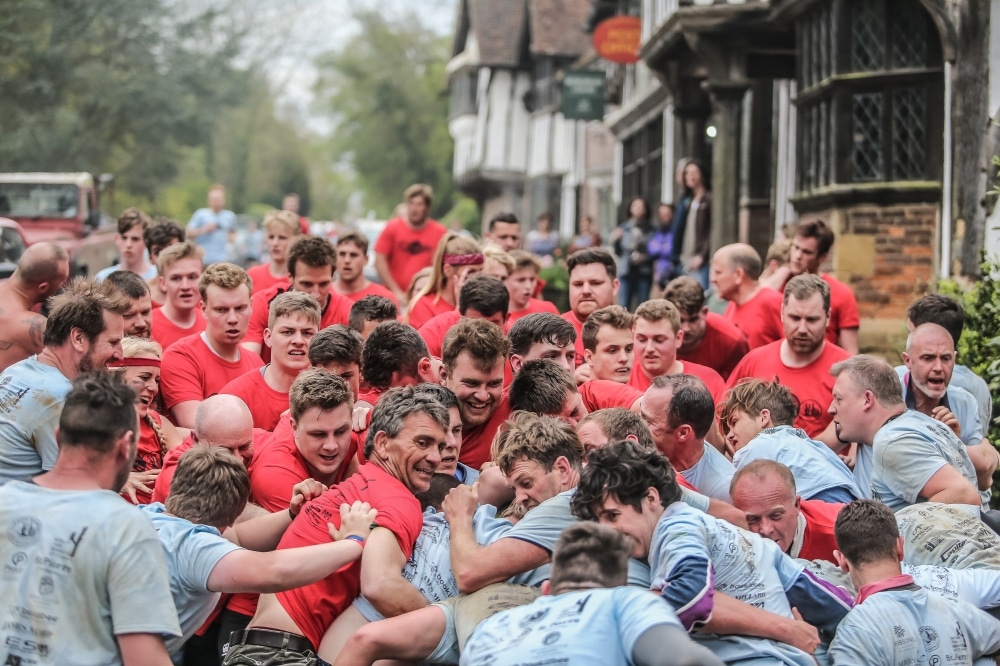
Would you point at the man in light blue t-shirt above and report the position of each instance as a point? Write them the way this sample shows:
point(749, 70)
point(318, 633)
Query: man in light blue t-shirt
point(85, 580)
point(587, 612)
point(210, 227)
point(896, 621)
point(83, 333)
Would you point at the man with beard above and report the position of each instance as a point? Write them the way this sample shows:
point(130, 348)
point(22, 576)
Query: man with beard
point(199, 365)
point(709, 339)
point(41, 272)
point(801, 361)
point(84, 332)
point(91, 585)
point(592, 285)
point(139, 318)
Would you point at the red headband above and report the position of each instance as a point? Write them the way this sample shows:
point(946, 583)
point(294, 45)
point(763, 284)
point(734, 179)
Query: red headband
point(135, 363)
point(463, 259)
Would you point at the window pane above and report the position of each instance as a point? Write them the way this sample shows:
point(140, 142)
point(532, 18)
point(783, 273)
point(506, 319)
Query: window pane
point(866, 156)
point(909, 35)
point(909, 133)
point(868, 35)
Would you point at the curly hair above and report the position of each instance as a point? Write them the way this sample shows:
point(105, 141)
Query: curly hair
point(614, 316)
point(541, 439)
point(312, 251)
point(225, 276)
point(482, 341)
point(318, 388)
point(624, 471)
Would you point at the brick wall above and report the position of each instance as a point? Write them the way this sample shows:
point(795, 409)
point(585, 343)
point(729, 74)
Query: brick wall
point(886, 255)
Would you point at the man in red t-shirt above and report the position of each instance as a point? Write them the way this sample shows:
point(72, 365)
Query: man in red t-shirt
point(404, 447)
point(521, 284)
point(406, 246)
point(481, 297)
point(546, 388)
point(293, 322)
point(199, 365)
point(473, 355)
point(371, 311)
point(542, 335)
point(337, 349)
point(592, 285)
point(221, 420)
point(708, 338)
point(282, 229)
point(180, 267)
point(395, 355)
point(139, 318)
point(311, 262)
point(801, 361)
point(765, 491)
point(657, 336)
point(811, 244)
point(352, 257)
point(505, 231)
point(753, 308)
point(608, 346)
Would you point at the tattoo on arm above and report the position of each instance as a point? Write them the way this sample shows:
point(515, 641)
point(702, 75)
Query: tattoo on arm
point(36, 328)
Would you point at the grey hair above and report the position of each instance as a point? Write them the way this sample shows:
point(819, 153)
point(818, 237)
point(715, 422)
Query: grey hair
point(444, 395)
point(396, 405)
point(870, 373)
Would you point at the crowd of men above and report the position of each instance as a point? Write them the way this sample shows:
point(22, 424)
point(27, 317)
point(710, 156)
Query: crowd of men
point(201, 464)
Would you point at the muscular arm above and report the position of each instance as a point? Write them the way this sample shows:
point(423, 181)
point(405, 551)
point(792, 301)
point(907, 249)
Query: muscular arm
point(409, 637)
point(985, 459)
point(143, 650)
point(249, 571)
point(848, 340)
point(727, 512)
point(260, 533)
point(382, 581)
point(382, 268)
point(829, 437)
point(948, 486)
point(731, 616)
point(21, 339)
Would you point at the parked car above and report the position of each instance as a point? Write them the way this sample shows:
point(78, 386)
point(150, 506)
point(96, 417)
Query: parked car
point(12, 246)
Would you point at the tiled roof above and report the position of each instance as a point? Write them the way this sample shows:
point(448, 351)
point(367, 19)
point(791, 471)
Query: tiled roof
point(558, 26)
point(498, 26)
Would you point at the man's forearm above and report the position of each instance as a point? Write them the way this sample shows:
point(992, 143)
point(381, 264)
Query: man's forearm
point(731, 616)
point(463, 556)
point(382, 268)
point(261, 533)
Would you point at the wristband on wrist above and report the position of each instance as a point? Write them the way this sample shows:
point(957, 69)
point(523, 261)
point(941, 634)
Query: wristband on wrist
point(354, 537)
point(290, 514)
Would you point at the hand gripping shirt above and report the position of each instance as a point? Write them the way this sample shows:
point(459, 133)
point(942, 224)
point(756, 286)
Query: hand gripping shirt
point(192, 552)
point(693, 554)
point(814, 465)
point(909, 626)
point(79, 569)
point(907, 451)
point(580, 627)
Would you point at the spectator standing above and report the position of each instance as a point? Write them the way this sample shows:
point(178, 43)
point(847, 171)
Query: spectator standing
point(209, 227)
point(588, 236)
point(635, 266)
point(543, 241)
point(505, 231)
point(661, 246)
point(693, 228)
point(282, 228)
point(407, 245)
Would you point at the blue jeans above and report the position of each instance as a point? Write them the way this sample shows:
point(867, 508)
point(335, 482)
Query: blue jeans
point(634, 287)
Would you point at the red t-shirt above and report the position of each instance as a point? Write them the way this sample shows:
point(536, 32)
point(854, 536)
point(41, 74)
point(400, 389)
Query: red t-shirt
point(843, 308)
point(162, 488)
point(314, 607)
point(263, 280)
point(477, 440)
point(373, 289)
point(722, 347)
point(167, 332)
point(149, 455)
point(192, 371)
point(534, 305)
point(578, 326)
point(759, 318)
point(604, 394)
point(716, 386)
point(812, 384)
point(436, 328)
point(266, 404)
point(818, 541)
point(337, 311)
point(407, 250)
point(426, 308)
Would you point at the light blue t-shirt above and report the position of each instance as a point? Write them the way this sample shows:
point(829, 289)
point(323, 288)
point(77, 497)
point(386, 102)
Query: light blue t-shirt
point(79, 568)
point(979, 587)
point(146, 275)
point(429, 567)
point(214, 243)
point(813, 464)
point(961, 403)
point(913, 626)
point(907, 451)
point(711, 474)
point(31, 401)
point(863, 469)
point(964, 378)
point(192, 552)
point(542, 526)
point(583, 627)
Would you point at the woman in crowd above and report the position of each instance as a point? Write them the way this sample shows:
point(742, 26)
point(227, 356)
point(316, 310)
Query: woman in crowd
point(661, 247)
point(543, 241)
point(140, 368)
point(457, 258)
point(635, 266)
point(588, 236)
point(693, 226)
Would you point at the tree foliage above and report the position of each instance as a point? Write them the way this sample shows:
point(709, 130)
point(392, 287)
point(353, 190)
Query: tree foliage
point(385, 89)
point(117, 85)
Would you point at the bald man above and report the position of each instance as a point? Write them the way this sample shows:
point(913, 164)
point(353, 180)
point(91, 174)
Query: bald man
point(41, 272)
point(753, 308)
point(221, 420)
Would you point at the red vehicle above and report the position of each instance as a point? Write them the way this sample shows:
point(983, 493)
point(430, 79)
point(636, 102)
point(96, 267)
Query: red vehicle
point(61, 208)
